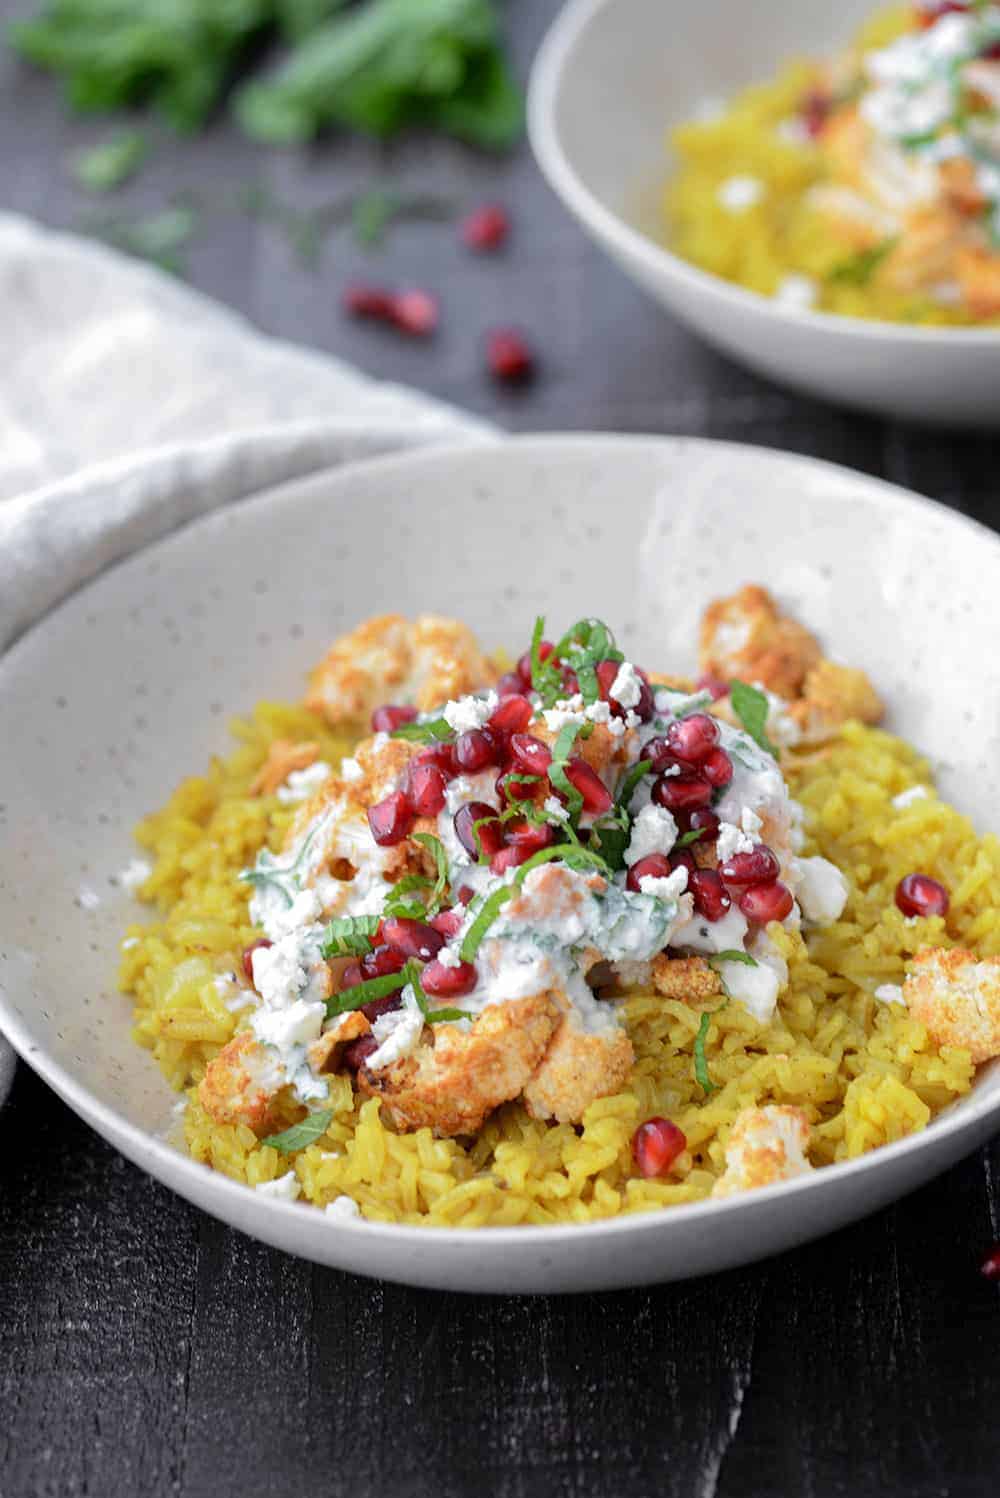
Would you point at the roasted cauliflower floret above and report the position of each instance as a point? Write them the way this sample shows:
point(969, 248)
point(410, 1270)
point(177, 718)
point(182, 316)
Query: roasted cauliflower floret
point(764, 1145)
point(426, 662)
point(748, 637)
point(979, 277)
point(690, 980)
point(241, 1084)
point(283, 757)
point(956, 995)
point(833, 695)
point(456, 1077)
point(577, 1068)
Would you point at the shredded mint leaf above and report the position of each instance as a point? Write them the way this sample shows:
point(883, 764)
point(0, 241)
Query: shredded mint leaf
point(487, 910)
point(560, 781)
point(107, 166)
point(365, 993)
point(349, 936)
point(159, 238)
point(435, 848)
point(858, 269)
point(433, 731)
point(687, 838)
point(696, 704)
point(546, 678)
point(631, 780)
point(738, 955)
point(700, 1064)
point(751, 707)
point(301, 1134)
point(609, 839)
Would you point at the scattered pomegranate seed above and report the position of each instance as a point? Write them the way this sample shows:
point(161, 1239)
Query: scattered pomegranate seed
point(713, 684)
point(510, 685)
point(378, 1007)
point(508, 858)
point(415, 313)
point(514, 713)
point(646, 706)
point(475, 750)
point(465, 895)
point(660, 755)
point(448, 922)
point(390, 820)
point(815, 111)
point(440, 755)
point(919, 894)
point(681, 792)
point(382, 961)
point(683, 858)
point(354, 1056)
point(509, 356)
point(510, 787)
point(247, 955)
point(490, 833)
point(655, 866)
point(388, 718)
point(362, 300)
point(693, 739)
point(990, 1266)
point(545, 649)
point(350, 977)
point(711, 898)
point(485, 228)
point(656, 1145)
point(767, 902)
point(412, 938)
point(703, 820)
point(531, 836)
point(758, 867)
point(426, 789)
point(606, 671)
point(596, 796)
point(448, 982)
point(717, 769)
point(530, 754)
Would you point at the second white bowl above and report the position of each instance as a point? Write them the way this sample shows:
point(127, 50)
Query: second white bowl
point(611, 78)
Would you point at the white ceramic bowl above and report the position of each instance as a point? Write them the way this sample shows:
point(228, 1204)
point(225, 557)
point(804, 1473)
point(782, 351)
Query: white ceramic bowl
point(128, 686)
point(610, 79)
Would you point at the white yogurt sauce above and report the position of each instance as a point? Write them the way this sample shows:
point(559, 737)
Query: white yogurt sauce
point(301, 784)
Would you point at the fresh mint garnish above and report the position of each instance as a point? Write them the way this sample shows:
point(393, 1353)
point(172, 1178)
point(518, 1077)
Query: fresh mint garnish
point(431, 732)
point(752, 707)
point(301, 1134)
point(349, 936)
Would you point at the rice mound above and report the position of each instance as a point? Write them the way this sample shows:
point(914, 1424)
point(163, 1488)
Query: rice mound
point(864, 1071)
point(779, 235)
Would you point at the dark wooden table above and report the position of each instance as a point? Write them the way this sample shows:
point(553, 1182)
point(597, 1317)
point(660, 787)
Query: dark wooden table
point(146, 1350)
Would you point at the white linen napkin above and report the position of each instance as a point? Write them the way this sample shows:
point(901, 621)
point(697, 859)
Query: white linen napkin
point(130, 404)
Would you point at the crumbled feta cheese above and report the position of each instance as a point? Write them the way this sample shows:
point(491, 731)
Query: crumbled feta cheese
point(732, 840)
point(297, 1024)
point(397, 1032)
point(796, 292)
point(820, 889)
point(739, 193)
point(908, 797)
point(350, 770)
point(653, 831)
point(449, 957)
point(555, 808)
point(301, 784)
point(890, 993)
point(135, 872)
point(669, 888)
point(285, 1188)
point(304, 908)
point(342, 1209)
point(626, 689)
point(470, 712)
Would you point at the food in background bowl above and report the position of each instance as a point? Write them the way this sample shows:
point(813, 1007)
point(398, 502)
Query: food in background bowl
point(566, 940)
point(868, 185)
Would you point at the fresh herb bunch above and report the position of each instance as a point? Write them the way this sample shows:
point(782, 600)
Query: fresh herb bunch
point(378, 67)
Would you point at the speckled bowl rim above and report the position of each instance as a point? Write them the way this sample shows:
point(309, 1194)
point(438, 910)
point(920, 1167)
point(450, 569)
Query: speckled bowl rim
point(168, 1164)
point(560, 173)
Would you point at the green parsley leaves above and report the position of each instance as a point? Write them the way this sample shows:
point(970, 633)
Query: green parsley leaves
point(312, 1127)
point(751, 707)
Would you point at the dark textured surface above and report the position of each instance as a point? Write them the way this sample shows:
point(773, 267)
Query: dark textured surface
point(145, 1349)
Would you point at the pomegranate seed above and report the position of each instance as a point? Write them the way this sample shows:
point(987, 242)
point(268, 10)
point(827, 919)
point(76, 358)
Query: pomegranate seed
point(693, 739)
point(362, 300)
point(571, 682)
point(656, 1145)
point(475, 750)
point(425, 789)
point(646, 706)
point(530, 754)
point(448, 982)
point(514, 713)
point(378, 1007)
point(919, 894)
point(381, 962)
point(486, 228)
point(448, 922)
point(414, 312)
point(490, 834)
point(815, 110)
point(510, 685)
point(413, 938)
point(711, 898)
point(655, 865)
point(660, 755)
point(683, 858)
point(717, 769)
point(606, 671)
point(350, 977)
point(509, 356)
point(704, 821)
point(442, 756)
point(354, 1056)
point(509, 787)
point(390, 820)
point(714, 685)
point(990, 1267)
point(531, 836)
point(681, 792)
point(545, 649)
point(247, 955)
point(758, 867)
point(767, 902)
point(387, 719)
point(508, 858)
point(466, 895)
point(596, 796)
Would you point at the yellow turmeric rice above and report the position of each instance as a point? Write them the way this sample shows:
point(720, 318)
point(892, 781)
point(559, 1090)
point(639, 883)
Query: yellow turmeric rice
point(864, 1072)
